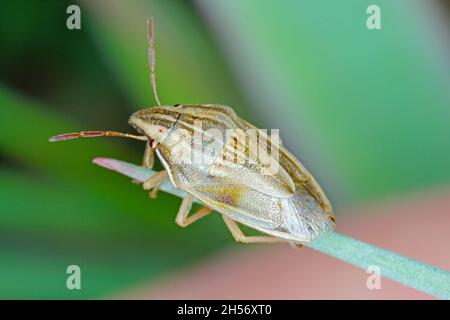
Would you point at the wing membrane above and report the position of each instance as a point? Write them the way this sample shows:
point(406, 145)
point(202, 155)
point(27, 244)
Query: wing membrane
point(239, 202)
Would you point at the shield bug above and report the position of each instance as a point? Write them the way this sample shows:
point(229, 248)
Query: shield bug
point(237, 178)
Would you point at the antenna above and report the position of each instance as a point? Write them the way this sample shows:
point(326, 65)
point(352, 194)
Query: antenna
point(92, 134)
point(151, 59)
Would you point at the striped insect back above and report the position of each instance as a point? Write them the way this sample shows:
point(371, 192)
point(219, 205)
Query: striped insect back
point(240, 171)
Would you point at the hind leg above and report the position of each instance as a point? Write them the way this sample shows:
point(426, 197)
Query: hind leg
point(239, 236)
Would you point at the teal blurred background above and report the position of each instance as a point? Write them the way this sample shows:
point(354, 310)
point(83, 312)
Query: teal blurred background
point(367, 111)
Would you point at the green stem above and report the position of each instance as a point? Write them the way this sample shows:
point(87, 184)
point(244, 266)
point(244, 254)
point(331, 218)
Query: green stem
point(410, 272)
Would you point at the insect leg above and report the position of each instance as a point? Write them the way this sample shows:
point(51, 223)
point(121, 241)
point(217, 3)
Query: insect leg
point(182, 218)
point(239, 236)
point(296, 245)
point(200, 213)
point(148, 160)
point(154, 182)
point(149, 156)
point(154, 193)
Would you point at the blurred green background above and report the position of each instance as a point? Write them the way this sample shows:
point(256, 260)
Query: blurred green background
point(367, 111)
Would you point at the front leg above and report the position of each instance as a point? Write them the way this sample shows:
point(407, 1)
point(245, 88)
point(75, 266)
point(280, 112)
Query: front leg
point(149, 156)
point(155, 182)
point(182, 218)
point(148, 159)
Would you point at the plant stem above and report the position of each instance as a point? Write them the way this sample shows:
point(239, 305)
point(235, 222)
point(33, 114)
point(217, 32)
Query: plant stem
point(410, 272)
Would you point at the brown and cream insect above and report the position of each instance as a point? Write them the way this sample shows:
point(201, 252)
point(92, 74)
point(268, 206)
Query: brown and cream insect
point(286, 204)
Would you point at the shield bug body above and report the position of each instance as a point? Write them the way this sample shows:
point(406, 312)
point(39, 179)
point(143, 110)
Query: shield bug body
point(222, 160)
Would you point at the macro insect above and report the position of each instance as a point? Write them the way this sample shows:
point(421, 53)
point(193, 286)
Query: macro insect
point(286, 204)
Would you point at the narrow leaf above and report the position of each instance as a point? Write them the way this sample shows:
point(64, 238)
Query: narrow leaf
point(410, 272)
